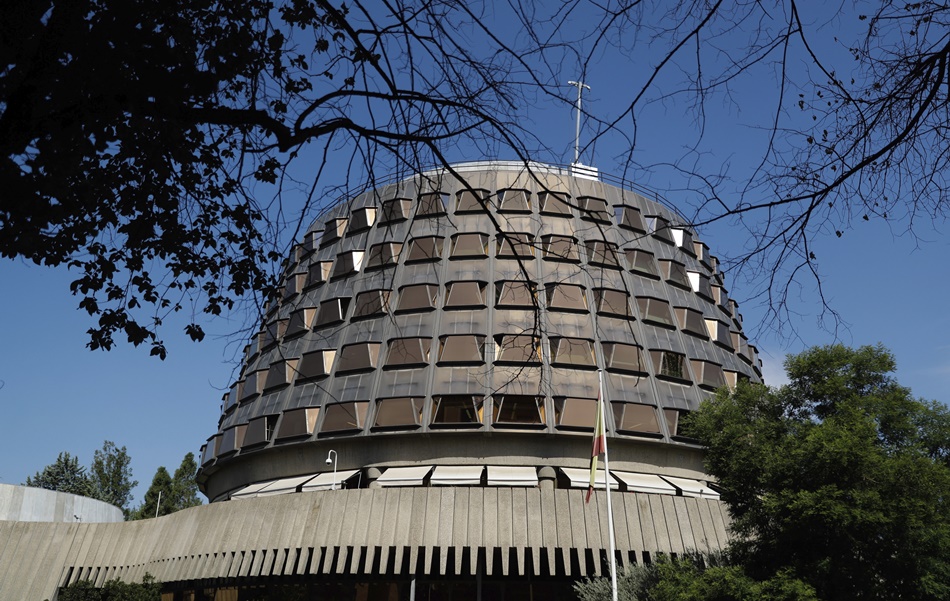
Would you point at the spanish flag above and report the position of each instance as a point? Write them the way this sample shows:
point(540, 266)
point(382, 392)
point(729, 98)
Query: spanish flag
point(599, 445)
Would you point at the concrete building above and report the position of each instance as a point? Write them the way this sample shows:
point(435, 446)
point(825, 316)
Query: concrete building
point(414, 418)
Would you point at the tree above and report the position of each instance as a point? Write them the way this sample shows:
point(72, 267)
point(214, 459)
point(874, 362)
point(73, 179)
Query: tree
point(63, 475)
point(113, 590)
point(159, 498)
point(838, 478)
point(151, 146)
point(111, 477)
point(184, 485)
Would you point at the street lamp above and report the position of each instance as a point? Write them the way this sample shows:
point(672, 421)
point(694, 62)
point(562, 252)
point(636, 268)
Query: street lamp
point(331, 458)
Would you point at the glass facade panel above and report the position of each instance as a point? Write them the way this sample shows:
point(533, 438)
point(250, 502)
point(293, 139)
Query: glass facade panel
point(331, 312)
point(433, 204)
point(518, 410)
point(655, 311)
point(418, 297)
point(514, 246)
point(395, 210)
point(669, 364)
point(361, 356)
point(319, 273)
point(298, 422)
point(560, 248)
point(615, 303)
point(594, 209)
point(371, 303)
point(402, 412)
point(675, 273)
point(383, 255)
point(514, 201)
point(603, 254)
point(408, 352)
point(469, 245)
point(425, 249)
point(630, 218)
point(634, 418)
point(472, 201)
point(566, 297)
point(515, 294)
point(518, 348)
point(691, 321)
point(572, 352)
point(457, 410)
point(465, 295)
point(316, 364)
point(465, 349)
point(555, 203)
point(575, 413)
point(642, 263)
point(623, 357)
point(341, 417)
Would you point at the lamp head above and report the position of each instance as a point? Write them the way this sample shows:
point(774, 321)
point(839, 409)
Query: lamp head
point(329, 461)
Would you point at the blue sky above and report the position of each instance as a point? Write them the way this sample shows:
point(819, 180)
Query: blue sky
point(58, 396)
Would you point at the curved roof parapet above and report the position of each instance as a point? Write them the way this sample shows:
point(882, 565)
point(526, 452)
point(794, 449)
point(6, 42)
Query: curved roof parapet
point(28, 504)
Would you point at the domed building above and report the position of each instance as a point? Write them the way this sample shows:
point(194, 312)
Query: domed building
point(414, 418)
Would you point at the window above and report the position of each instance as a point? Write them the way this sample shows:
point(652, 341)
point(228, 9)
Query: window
point(594, 209)
point(659, 227)
point(572, 352)
point(635, 418)
point(630, 218)
point(677, 424)
point(515, 294)
point(308, 244)
point(514, 201)
point(418, 297)
point(559, 248)
point(456, 411)
point(603, 254)
point(394, 210)
point(691, 321)
point(702, 252)
point(347, 263)
point(514, 246)
point(433, 204)
point(700, 284)
point(719, 332)
point(341, 417)
point(518, 410)
point(565, 297)
point(555, 203)
point(465, 295)
point(655, 311)
point(274, 331)
point(361, 219)
point(675, 273)
point(466, 246)
point(371, 304)
point(362, 356)
point(333, 231)
point(575, 414)
point(280, 374)
point(517, 349)
point(298, 422)
point(464, 349)
point(623, 357)
point(232, 439)
point(741, 345)
point(683, 238)
point(300, 322)
point(641, 262)
point(294, 283)
point(316, 364)
point(471, 201)
point(667, 364)
point(252, 385)
point(398, 413)
point(319, 273)
point(408, 352)
point(425, 249)
point(615, 303)
point(332, 311)
point(383, 255)
point(260, 430)
point(708, 375)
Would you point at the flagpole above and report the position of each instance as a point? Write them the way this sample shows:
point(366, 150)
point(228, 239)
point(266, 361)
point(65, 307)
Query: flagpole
point(610, 512)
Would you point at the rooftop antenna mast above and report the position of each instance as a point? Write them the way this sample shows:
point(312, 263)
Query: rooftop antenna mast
point(580, 85)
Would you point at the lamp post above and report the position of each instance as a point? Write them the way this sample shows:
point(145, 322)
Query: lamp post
point(331, 458)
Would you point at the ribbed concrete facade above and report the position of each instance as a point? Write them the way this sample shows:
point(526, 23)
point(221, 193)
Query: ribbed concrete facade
point(503, 532)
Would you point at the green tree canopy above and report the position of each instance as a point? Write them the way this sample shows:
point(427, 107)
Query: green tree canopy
point(840, 478)
point(63, 475)
point(158, 496)
point(111, 476)
point(184, 485)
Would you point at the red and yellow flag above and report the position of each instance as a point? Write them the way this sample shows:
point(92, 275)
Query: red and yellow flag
point(599, 445)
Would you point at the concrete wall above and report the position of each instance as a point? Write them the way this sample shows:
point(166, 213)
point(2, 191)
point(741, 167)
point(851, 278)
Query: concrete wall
point(27, 504)
point(518, 531)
